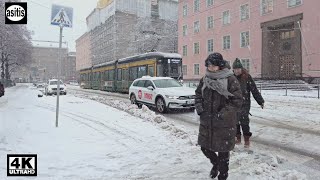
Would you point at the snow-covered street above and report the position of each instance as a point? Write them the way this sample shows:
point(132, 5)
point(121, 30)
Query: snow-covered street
point(100, 137)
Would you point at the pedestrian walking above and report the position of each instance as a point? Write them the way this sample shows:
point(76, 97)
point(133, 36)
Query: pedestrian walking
point(248, 86)
point(218, 98)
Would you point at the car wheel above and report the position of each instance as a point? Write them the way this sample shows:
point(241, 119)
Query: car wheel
point(133, 100)
point(161, 105)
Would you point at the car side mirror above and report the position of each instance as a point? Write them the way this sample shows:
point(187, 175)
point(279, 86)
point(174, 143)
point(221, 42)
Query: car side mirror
point(150, 88)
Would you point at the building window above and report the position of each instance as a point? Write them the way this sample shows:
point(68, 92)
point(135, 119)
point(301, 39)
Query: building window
point(226, 17)
point(185, 10)
point(210, 22)
point(210, 45)
point(244, 12)
point(226, 42)
point(184, 69)
point(196, 26)
point(196, 7)
point(209, 3)
point(293, 3)
point(246, 64)
point(196, 48)
point(196, 69)
point(287, 34)
point(185, 50)
point(266, 6)
point(185, 30)
point(244, 39)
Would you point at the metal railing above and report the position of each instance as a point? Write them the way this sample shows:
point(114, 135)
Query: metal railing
point(296, 90)
point(284, 89)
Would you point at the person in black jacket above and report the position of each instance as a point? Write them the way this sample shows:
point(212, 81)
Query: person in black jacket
point(247, 86)
point(218, 99)
point(1, 90)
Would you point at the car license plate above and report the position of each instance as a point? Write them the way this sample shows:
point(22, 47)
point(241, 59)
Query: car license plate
point(190, 102)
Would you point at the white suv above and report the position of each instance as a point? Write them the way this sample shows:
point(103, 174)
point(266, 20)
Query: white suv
point(161, 92)
point(52, 87)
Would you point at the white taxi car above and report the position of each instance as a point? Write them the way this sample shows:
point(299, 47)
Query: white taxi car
point(161, 92)
point(52, 87)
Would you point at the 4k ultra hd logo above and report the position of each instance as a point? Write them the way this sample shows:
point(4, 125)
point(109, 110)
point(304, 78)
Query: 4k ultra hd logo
point(22, 165)
point(16, 13)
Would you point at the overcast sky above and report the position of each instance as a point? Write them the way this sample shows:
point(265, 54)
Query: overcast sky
point(39, 14)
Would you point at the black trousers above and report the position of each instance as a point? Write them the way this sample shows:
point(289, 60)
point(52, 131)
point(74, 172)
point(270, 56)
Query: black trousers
point(219, 161)
point(243, 123)
point(245, 129)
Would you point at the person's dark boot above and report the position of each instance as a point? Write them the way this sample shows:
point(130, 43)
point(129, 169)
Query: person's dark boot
point(238, 139)
point(246, 141)
point(214, 171)
point(223, 176)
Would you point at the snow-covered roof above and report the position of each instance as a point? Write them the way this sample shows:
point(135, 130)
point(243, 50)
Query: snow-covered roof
point(153, 54)
point(104, 64)
point(153, 78)
point(55, 80)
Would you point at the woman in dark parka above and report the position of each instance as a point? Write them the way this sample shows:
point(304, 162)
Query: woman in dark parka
point(218, 98)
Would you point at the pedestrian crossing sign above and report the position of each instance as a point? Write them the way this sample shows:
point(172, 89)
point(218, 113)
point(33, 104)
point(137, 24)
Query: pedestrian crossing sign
point(61, 15)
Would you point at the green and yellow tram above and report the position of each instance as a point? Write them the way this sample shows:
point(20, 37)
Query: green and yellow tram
point(118, 75)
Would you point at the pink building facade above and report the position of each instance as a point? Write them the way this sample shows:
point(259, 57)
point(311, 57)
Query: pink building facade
point(83, 52)
point(275, 39)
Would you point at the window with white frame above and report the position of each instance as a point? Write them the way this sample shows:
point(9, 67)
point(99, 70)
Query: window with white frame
point(196, 69)
point(226, 17)
point(210, 22)
point(226, 42)
point(266, 6)
point(184, 69)
point(293, 3)
point(196, 7)
point(210, 45)
point(185, 50)
point(184, 30)
point(196, 26)
point(209, 3)
point(185, 10)
point(244, 12)
point(244, 39)
point(196, 48)
point(246, 64)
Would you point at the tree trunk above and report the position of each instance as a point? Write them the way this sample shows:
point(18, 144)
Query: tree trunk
point(2, 66)
point(7, 74)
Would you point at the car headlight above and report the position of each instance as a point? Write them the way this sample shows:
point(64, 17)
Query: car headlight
point(172, 97)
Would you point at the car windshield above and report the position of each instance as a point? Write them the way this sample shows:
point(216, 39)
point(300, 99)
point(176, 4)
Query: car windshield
point(167, 83)
point(55, 82)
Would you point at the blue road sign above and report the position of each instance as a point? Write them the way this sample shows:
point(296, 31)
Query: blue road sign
point(61, 15)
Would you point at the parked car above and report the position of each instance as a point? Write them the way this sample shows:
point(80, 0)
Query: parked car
point(74, 83)
point(164, 93)
point(40, 85)
point(52, 87)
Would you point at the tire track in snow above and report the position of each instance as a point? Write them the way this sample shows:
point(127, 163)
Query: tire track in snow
point(83, 123)
point(277, 125)
point(185, 118)
point(113, 129)
point(128, 131)
point(274, 144)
